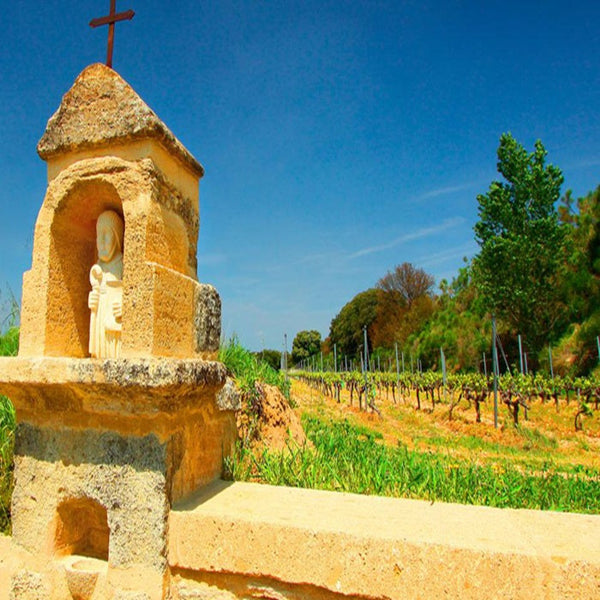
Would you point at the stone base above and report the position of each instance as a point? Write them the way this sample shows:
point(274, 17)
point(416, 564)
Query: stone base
point(102, 450)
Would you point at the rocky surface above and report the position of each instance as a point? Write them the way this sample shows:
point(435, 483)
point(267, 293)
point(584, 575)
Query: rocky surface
point(100, 109)
point(270, 422)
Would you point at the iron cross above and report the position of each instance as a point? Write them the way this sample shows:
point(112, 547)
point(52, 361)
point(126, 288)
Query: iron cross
point(110, 20)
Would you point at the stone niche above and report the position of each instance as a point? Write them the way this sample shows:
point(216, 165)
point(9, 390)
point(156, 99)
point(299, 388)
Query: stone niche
point(106, 150)
point(104, 446)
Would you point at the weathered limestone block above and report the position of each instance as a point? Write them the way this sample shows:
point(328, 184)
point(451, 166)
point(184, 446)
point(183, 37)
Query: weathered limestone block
point(71, 474)
point(250, 539)
point(28, 585)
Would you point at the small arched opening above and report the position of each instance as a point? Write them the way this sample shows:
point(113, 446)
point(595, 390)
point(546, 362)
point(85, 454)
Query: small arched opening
point(82, 528)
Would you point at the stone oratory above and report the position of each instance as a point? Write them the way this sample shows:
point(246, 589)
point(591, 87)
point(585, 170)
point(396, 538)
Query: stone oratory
point(116, 386)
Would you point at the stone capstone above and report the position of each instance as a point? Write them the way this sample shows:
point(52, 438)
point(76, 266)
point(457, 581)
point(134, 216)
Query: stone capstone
point(102, 109)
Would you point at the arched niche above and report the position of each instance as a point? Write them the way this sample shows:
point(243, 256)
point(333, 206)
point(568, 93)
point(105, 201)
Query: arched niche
point(72, 253)
point(82, 529)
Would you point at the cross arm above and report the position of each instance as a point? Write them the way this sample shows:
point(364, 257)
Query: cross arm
point(123, 16)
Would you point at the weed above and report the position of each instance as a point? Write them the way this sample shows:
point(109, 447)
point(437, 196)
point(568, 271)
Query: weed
point(349, 458)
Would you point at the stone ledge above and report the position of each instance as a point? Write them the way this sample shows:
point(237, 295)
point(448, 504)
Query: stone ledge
point(382, 547)
point(127, 385)
point(117, 372)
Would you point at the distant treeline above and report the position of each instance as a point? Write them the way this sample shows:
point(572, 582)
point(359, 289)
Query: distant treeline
point(537, 272)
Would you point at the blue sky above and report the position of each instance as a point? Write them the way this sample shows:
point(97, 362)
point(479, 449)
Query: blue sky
point(339, 138)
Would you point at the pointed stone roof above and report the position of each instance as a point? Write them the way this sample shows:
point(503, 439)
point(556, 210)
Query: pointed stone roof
point(101, 109)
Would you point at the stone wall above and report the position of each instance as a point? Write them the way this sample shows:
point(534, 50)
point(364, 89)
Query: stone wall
point(241, 540)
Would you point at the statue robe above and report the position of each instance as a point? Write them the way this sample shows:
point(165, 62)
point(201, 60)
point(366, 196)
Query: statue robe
point(105, 329)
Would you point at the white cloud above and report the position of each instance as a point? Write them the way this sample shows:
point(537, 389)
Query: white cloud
point(409, 237)
point(444, 191)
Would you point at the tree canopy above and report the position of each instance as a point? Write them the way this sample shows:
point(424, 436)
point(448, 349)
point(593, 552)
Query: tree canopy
point(346, 328)
point(305, 344)
point(521, 242)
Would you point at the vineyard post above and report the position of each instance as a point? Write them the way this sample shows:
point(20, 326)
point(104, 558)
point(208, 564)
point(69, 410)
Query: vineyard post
point(550, 361)
point(346, 362)
point(397, 366)
point(525, 363)
point(322, 375)
point(403, 362)
point(520, 354)
point(284, 357)
point(495, 370)
point(598, 344)
point(411, 363)
point(335, 358)
point(484, 365)
point(366, 364)
point(443, 371)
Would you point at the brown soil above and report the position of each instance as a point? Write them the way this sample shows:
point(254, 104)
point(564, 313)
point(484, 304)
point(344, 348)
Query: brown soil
point(276, 425)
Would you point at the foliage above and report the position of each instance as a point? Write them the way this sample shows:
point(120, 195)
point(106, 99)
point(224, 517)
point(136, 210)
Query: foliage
point(248, 371)
point(9, 345)
point(408, 281)
point(577, 351)
point(351, 459)
point(271, 357)
point(346, 328)
point(521, 243)
point(459, 325)
point(9, 342)
point(305, 345)
point(7, 431)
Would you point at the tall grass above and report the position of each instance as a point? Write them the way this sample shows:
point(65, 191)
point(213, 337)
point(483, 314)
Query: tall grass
point(9, 346)
point(350, 459)
point(7, 430)
point(248, 370)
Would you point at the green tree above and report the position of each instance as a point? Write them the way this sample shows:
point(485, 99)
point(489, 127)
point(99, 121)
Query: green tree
point(459, 326)
point(271, 357)
point(346, 329)
point(521, 243)
point(577, 352)
point(305, 345)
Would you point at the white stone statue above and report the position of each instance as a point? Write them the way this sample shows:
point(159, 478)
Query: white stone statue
point(106, 298)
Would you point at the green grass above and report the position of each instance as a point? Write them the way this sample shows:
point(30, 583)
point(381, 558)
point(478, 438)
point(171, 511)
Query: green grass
point(248, 370)
point(9, 346)
point(7, 430)
point(347, 458)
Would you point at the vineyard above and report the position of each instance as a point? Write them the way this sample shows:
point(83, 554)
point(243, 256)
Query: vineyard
point(432, 390)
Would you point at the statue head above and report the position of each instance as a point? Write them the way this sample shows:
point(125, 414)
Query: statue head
point(109, 235)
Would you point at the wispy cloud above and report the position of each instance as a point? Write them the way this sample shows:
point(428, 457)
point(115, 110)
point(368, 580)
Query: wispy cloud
point(447, 255)
point(409, 237)
point(583, 163)
point(445, 191)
